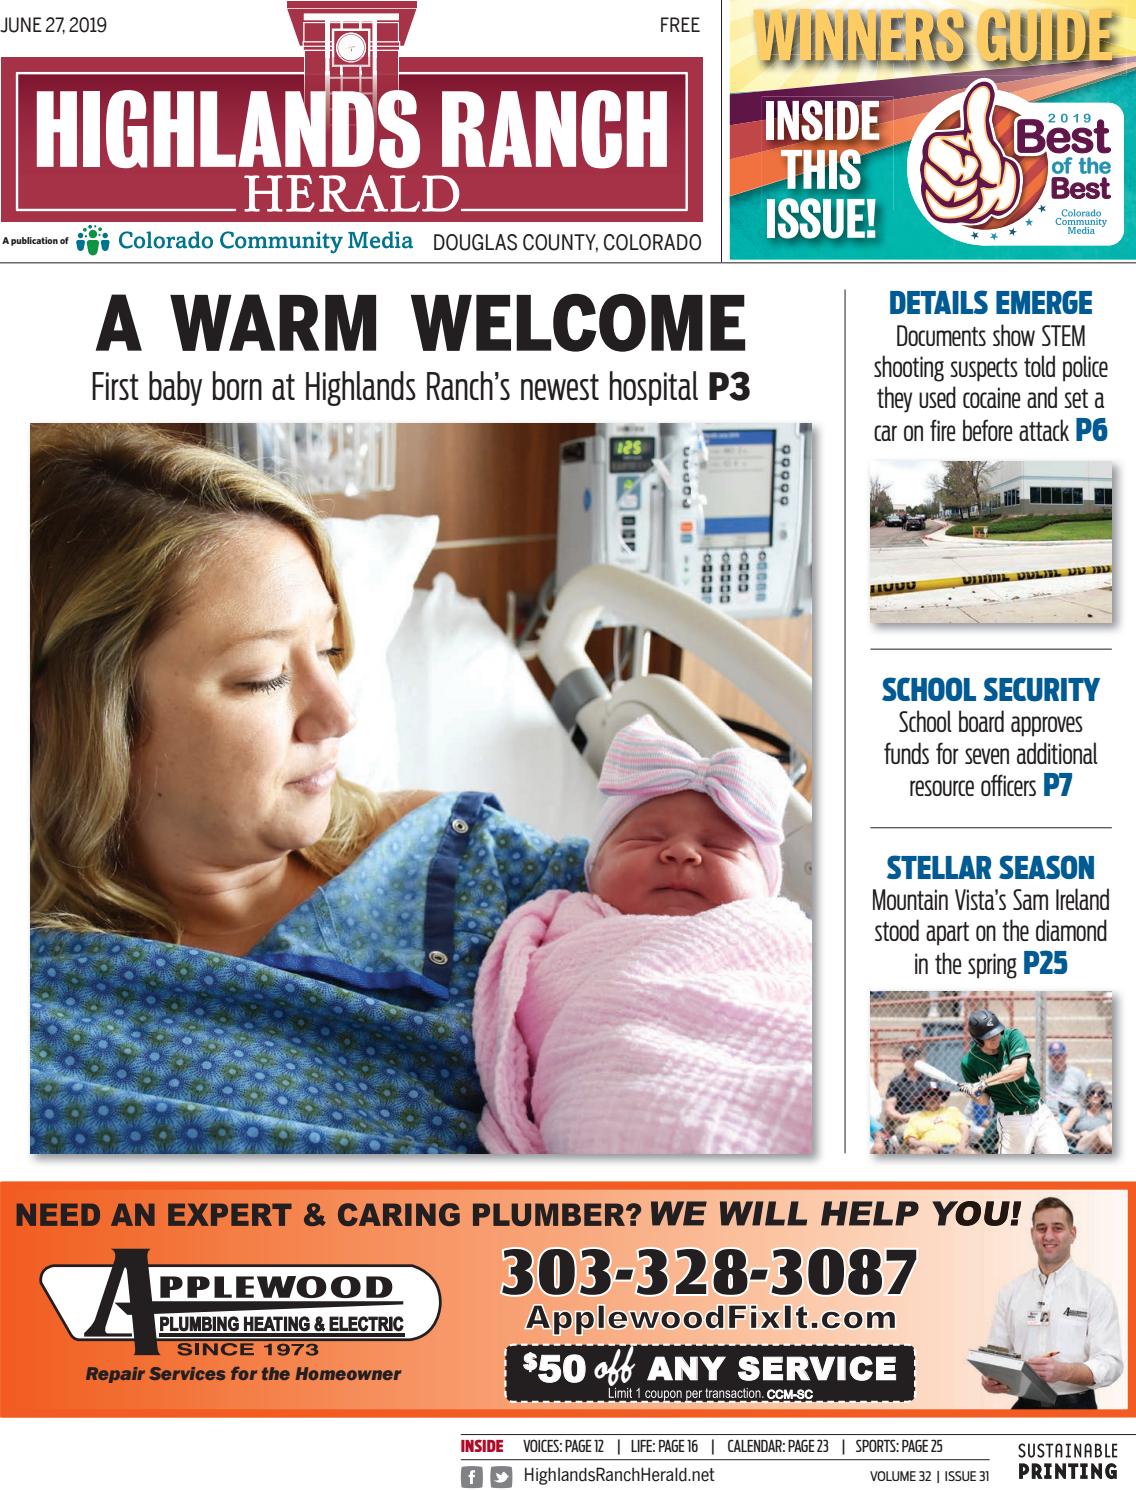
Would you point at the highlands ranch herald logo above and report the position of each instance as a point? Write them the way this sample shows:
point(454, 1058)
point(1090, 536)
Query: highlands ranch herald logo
point(135, 1299)
point(352, 128)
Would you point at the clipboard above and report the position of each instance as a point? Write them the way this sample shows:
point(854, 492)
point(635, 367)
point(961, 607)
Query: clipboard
point(1013, 1372)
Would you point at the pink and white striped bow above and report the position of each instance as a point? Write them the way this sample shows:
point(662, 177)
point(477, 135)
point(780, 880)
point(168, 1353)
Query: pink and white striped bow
point(644, 762)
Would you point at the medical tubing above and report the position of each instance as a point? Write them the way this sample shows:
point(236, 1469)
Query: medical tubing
point(539, 610)
point(782, 749)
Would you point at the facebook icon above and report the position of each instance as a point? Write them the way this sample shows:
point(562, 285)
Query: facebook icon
point(472, 1475)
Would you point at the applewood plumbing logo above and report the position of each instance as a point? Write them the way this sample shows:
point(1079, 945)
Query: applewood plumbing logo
point(352, 127)
point(135, 1299)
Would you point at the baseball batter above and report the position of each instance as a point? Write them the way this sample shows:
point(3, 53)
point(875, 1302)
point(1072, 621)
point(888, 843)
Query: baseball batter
point(999, 1064)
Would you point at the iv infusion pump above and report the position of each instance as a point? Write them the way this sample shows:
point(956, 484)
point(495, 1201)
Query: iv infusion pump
point(723, 512)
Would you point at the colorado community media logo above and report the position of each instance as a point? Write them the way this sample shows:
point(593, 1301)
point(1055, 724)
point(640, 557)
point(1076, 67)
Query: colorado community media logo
point(92, 241)
point(134, 1299)
point(352, 126)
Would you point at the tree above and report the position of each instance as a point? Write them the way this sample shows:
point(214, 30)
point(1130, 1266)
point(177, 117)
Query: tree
point(964, 484)
point(879, 501)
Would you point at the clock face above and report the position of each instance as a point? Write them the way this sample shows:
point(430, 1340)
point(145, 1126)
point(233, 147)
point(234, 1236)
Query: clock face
point(350, 46)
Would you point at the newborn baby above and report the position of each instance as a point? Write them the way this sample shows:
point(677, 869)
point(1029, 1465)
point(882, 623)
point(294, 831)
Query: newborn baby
point(668, 1010)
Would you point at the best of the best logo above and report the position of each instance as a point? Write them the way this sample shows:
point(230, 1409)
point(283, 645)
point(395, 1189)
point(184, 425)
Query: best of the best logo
point(987, 167)
point(135, 1299)
point(353, 128)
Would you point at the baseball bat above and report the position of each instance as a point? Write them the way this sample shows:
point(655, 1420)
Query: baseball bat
point(926, 1069)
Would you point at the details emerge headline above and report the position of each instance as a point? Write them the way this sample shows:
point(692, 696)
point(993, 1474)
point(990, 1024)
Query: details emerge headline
point(933, 36)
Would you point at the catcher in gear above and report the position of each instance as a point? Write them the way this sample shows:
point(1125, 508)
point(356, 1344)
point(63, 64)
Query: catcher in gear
point(999, 1063)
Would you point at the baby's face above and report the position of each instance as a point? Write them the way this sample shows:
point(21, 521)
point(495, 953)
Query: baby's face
point(677, 856)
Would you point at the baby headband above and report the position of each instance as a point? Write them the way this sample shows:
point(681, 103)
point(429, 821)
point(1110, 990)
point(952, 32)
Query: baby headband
point(644, 762)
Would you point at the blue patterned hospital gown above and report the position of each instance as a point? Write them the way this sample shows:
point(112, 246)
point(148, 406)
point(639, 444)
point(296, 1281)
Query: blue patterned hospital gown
point(346, 1030)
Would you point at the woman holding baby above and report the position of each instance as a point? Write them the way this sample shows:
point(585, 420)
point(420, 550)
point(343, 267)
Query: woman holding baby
point(234, 949)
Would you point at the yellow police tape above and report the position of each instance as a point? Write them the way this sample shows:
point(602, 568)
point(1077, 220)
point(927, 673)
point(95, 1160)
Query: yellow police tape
point(910, 586)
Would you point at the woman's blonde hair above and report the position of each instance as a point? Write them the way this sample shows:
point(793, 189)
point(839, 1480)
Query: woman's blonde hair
point(122, 520)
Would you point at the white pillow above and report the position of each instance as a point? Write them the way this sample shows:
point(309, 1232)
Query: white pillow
point(472, 718)
point(378, 559)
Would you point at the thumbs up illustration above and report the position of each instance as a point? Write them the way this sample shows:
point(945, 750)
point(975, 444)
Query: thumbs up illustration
point(966, 175)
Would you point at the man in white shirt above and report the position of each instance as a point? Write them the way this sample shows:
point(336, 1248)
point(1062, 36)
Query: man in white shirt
point(1061, 1320)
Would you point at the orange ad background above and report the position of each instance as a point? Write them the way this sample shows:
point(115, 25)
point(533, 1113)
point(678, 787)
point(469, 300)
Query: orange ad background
point(458, 1367)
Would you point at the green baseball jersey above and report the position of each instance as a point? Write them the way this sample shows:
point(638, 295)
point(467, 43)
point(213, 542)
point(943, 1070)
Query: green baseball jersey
point(1010, 1096)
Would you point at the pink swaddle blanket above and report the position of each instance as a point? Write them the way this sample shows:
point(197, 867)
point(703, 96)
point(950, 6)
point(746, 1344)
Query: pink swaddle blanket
point(652, 1034)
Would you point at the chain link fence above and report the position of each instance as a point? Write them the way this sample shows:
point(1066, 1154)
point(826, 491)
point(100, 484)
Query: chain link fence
point(906, 1026)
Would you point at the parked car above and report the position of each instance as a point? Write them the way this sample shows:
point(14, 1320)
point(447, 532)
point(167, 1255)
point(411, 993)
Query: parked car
point(915, 522)
point(894, 520)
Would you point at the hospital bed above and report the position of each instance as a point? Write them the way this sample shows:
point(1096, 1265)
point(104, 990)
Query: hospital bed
point(469, 714)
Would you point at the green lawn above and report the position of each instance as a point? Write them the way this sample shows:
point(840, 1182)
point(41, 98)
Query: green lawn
point(1056, 531)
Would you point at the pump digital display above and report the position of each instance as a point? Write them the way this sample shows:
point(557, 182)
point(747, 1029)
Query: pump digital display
point(631, 453)
point(737, 485)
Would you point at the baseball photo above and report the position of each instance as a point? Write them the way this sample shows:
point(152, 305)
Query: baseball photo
point(990, 1073)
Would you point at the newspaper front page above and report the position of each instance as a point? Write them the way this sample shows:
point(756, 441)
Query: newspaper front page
point(577, 789)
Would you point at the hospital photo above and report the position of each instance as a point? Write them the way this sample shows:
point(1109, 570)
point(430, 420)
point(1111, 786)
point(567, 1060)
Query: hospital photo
point(421, 788)
point(991, 1073)
point(959, 542)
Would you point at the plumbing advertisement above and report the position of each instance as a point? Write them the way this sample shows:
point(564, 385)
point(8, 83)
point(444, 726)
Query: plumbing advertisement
point(577, 709)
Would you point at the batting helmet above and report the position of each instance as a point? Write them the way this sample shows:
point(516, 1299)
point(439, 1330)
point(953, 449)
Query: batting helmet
point(983, 1024)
